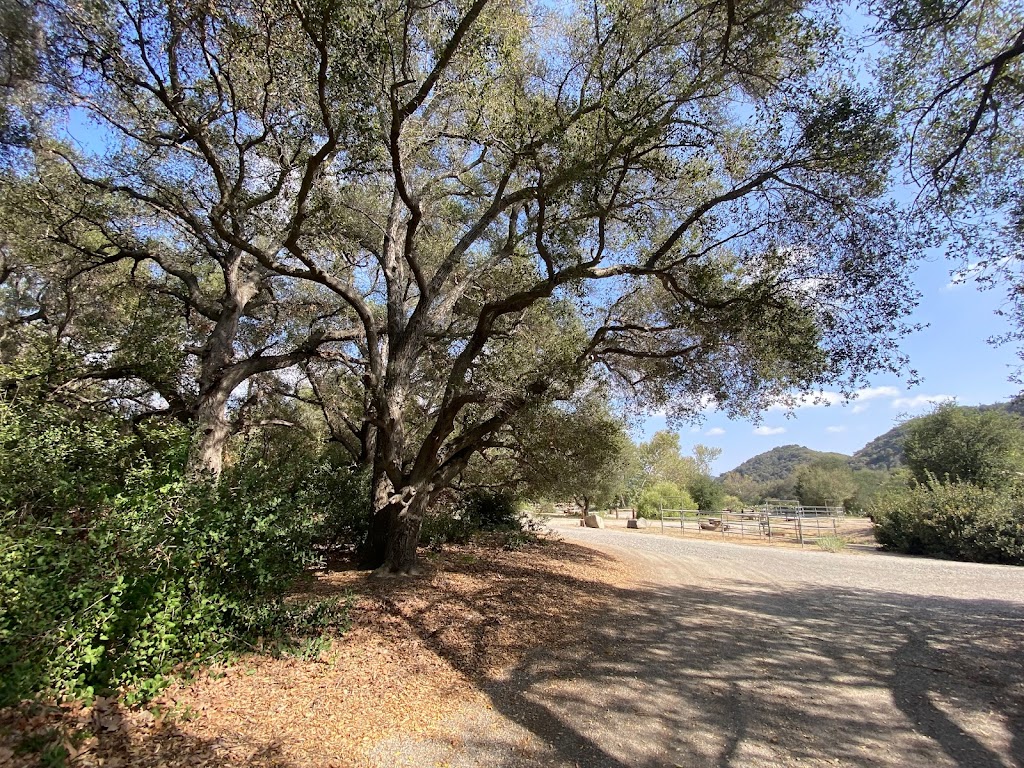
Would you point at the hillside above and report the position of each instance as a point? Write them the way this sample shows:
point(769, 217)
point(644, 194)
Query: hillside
point(885, 452)
point(779, 463)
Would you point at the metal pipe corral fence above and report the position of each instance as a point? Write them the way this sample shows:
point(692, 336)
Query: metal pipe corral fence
point(772, 523)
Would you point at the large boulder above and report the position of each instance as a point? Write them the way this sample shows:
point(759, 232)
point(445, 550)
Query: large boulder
point(593, 521)
point(633, 523)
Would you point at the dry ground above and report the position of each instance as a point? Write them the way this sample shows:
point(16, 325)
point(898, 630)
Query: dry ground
point(855, 531)
point(630, 651)
point(418, 650)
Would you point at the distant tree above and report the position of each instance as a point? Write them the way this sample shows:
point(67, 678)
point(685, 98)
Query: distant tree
point(747, 489)
point(707, 493)
point(869, 482)
point(981, 447)
point(657, 460)
point(704, 456)
point(826, 482)
point(664, 495)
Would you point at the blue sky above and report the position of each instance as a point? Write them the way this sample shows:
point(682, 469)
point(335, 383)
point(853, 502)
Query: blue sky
point(951, 355)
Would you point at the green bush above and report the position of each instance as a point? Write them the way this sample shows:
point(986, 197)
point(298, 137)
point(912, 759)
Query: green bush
point(663, 495)
point(491, 511)
point(445, 527)
point(114, 570)
point(459, 519)
point(955, 520)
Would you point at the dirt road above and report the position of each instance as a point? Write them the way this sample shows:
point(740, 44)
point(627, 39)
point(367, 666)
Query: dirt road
point(725, 655)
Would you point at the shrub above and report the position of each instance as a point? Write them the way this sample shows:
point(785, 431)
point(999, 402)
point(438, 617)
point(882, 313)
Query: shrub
point(663, 495)
point(115, 570)
point(955, 520)
point(491, 511)
point(443, 526)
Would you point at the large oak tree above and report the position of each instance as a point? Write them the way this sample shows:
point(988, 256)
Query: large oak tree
point(441, 216)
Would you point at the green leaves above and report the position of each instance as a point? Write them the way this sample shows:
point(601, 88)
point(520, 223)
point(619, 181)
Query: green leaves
point(113, 573)
point(957, 520)
point(981, 447)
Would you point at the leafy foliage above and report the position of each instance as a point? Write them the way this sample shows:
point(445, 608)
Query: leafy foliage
point(981, 447)
point(953, 71)
point(708, 494)
point(956, 520)
point(116, 570)
point(826, 482)
point(663, 495)
point(492, 511)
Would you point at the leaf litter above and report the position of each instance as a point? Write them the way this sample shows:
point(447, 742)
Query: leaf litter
point(418, 649)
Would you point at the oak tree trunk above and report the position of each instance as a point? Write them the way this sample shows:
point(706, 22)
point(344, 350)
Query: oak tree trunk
point(404, 537)
point(212, 430)
point(373, 548)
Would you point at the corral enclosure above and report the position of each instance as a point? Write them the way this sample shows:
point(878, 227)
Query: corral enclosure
point(766, 524)
point(801, 525)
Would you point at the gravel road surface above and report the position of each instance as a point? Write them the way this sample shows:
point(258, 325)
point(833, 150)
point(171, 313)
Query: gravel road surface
point(728, 655)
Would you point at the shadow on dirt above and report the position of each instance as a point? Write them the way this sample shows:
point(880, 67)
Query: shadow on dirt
point(737, 674)
point(108, 735)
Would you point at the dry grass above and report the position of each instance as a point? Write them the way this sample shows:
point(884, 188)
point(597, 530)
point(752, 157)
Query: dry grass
point(414, 654)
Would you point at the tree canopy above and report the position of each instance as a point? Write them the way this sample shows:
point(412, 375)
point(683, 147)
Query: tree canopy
point(980, 447)
point(954, 73)
point(431, 220)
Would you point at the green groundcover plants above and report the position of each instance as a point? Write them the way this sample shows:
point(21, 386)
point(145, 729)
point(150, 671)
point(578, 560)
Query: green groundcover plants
point(115, 570)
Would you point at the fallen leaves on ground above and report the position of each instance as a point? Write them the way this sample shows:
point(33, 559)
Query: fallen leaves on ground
point(415, 651)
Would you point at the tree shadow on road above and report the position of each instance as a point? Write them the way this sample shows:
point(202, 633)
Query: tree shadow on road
point(738, 674)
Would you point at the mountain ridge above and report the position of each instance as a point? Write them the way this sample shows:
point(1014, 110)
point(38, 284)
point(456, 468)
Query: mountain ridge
point(884, 452)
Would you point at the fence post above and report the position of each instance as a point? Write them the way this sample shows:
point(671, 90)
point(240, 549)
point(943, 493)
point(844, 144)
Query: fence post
point(661, 512)
point(800, 526)
point(724, 518)
point(835, 531)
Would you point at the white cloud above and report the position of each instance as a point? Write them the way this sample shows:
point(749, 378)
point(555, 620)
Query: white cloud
point(963, 275)
point(860, 408)
point(836, 429)
point(769, 430)
point(920, 401)
point(873, 393)
point(973, 271)
point(714, 431)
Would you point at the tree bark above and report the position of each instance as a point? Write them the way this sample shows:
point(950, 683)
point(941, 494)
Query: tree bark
point(405, 518)
point(212, 430)
point(373, 550)
point(216, 383)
